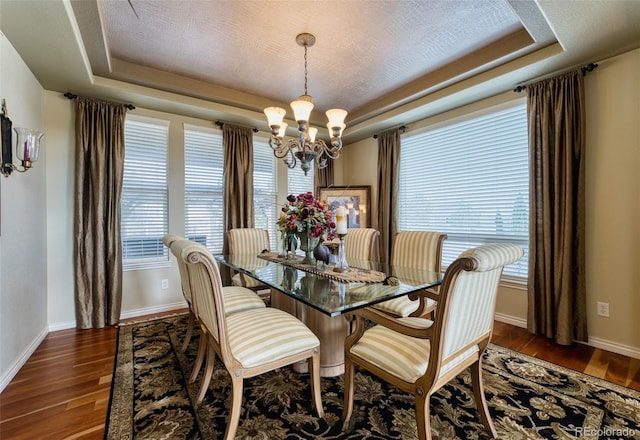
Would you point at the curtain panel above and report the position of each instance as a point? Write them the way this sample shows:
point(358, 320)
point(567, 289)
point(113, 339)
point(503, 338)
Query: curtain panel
point(238, 183)
point(323, 177)
point(557, 290)
point(388, 169)
point(99, 168)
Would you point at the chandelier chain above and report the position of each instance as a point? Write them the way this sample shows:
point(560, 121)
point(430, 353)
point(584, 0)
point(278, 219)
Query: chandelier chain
point(305, 70)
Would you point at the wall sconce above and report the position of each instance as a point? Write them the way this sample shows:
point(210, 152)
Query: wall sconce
point(27, 145)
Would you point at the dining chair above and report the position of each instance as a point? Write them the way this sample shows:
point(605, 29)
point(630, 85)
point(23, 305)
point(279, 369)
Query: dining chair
point(412, 250)
point(248, 343)
point(247, 241)
point(362, 244)
point(236, 299)
point(419, 355)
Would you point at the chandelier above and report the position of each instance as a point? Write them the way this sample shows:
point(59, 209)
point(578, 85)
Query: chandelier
point(305, 148)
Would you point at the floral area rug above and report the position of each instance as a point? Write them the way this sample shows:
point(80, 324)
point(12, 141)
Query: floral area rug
point(528, 399)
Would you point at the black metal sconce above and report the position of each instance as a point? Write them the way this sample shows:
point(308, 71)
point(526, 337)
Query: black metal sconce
point(27, 145)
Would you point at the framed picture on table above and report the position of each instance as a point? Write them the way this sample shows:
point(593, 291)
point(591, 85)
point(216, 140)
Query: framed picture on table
point(356, 200)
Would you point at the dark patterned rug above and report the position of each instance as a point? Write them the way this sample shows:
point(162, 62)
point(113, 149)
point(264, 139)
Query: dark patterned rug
point(528, 399)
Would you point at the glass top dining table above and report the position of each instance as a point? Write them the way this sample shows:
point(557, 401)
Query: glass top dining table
point(324, 290)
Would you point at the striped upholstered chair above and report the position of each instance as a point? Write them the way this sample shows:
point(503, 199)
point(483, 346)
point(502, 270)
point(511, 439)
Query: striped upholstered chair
point(362, 244)
point(247, 343)
point(413, 250)
point(247, 241)
point(236, 298)
point(418, 355)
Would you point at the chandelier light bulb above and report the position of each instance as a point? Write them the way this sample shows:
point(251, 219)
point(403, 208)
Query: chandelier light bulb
point(283, 130)
point(336, 117)
point(302, 108)
point(275, 115)
point(312, 134)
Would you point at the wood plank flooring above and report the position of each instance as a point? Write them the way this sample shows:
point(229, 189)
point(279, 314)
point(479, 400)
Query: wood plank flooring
point(62, 392)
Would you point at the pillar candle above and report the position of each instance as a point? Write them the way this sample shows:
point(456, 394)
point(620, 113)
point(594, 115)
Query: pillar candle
point(341, 220)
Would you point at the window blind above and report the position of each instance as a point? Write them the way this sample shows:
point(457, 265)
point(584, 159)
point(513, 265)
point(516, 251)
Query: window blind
point(203, 187)
point(298, 183)
point(265, 189)
point(470, 180)
point(144, 207)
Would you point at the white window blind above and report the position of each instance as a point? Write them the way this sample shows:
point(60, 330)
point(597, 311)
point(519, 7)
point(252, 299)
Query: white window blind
point(298, 183)
point(203, 187)
point(144, 206)
point(265, 189)
point(470, 180)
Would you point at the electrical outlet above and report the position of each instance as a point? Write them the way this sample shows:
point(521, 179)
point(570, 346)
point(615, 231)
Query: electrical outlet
point(165, 284)
point(603, 309)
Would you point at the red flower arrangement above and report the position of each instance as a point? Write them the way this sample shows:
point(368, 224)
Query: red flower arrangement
point(305, 213)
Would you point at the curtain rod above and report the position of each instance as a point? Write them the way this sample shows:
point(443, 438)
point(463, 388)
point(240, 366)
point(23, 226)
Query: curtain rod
point(585, 69)
point(70, 95)
point(221, 124)
point(402, 129)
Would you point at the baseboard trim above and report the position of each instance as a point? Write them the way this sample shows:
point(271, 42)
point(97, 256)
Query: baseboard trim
point(19, 363)
point(513, 320)
point(625, 350)
point(151, 310)
point(125, 315)
point(603, 344)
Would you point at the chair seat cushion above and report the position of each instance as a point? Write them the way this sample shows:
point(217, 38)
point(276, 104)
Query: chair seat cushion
point(241, 280)
point(259, 336)
point(402, 356)
point(402, 306)
point(238, 299)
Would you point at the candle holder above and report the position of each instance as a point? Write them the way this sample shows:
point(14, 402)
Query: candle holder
point(341, 264)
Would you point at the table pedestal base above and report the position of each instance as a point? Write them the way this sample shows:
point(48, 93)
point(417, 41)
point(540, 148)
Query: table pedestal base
point(331, 331)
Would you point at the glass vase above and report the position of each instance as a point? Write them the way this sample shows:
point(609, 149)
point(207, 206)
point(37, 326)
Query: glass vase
point(289, 245)
point(307, 244)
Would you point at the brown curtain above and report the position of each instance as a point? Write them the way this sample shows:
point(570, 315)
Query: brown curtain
point(238, 183)
point(557, 291)
point(388, 168)
point(324, 178)
point(97, 255)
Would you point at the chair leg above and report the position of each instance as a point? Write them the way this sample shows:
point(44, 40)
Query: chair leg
point(347, 408)
point(234, 411)
point(314, 376)
point(202, 350)
point(481, 402)
point(423, 416)
point(206, 378)
point(187, 337)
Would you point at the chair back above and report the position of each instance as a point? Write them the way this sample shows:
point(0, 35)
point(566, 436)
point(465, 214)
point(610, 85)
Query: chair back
point(206, 287)
point(468, 296)
point(176, 247)
point(248, 241)
point(170, 238)
point(362, 244)
point(416, 250)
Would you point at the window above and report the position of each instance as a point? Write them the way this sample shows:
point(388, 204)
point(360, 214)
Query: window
point(265, 189)
point(144, 218)
point(470, 180)
point(203, 186)
point(298, 183)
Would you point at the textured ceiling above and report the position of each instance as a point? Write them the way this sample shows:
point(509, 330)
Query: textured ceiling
point(363, 50)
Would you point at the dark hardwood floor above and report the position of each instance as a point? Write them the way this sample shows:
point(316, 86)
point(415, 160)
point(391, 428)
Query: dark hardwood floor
point(62, 392)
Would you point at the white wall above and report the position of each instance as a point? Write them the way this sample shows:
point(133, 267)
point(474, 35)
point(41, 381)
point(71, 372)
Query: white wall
point(23, 298)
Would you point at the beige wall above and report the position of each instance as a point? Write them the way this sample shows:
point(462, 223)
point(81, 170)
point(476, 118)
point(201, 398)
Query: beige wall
point(613, 200)
point(23, 295)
